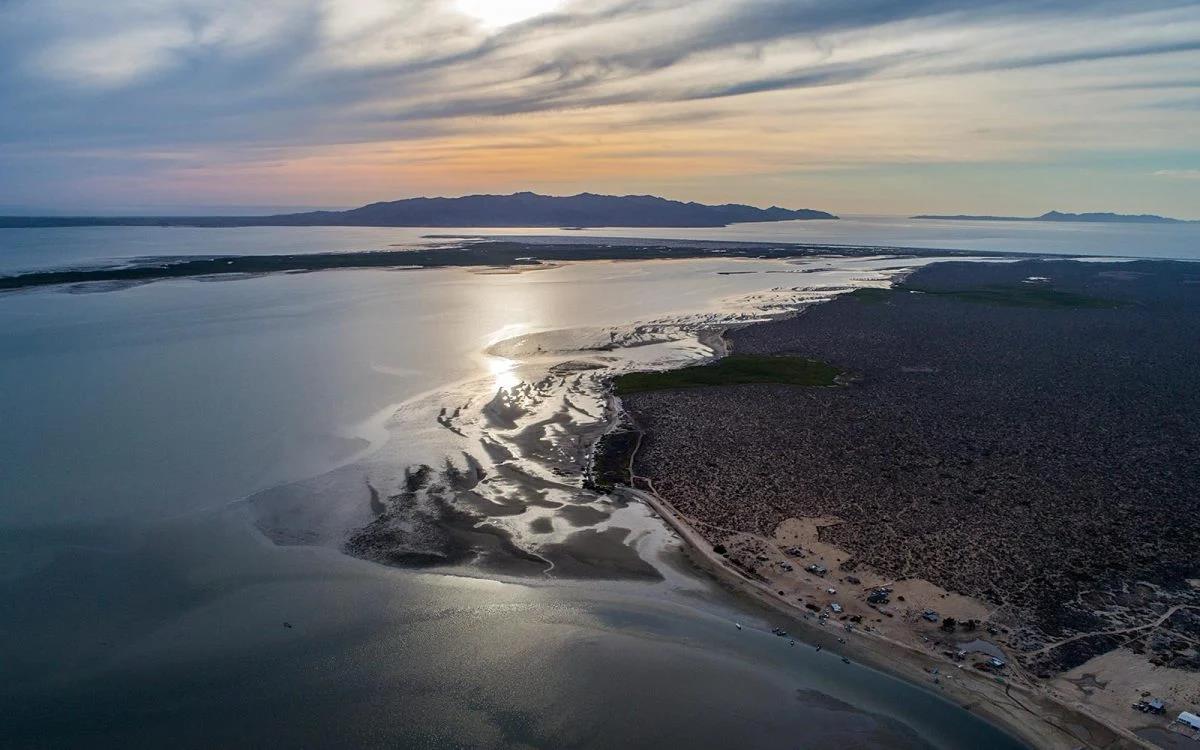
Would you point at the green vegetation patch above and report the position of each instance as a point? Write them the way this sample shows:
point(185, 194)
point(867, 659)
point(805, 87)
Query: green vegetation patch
point(1024, 296)
point(610, 461)
point(732, 370)
point(871, 294)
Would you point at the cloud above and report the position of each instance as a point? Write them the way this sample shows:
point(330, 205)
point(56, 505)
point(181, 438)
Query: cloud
point(130, 92)
point(1079, 56)
point(114, 60)
point(1180, 174)
point(819, 75)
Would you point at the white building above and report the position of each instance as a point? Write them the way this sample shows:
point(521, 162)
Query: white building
point(1190, 720)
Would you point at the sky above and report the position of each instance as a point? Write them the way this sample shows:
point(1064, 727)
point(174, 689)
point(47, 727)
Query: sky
point(852, 106)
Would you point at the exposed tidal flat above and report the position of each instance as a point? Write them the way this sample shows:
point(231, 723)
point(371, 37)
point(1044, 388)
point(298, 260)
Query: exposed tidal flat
point(188, 464)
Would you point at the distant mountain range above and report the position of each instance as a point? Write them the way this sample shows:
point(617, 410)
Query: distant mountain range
point(1060, 216)
point(516, 210)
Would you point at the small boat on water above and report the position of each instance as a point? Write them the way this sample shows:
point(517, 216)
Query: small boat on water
point(845, 660)
point(739, 625)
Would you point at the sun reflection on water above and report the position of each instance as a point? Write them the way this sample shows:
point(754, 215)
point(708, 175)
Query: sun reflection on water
point(503, 371)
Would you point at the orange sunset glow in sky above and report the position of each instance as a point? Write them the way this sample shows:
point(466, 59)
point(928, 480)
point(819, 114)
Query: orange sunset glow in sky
point(877, 107)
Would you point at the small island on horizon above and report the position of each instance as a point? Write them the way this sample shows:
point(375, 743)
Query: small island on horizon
point(524, 209)
point(1104, 217)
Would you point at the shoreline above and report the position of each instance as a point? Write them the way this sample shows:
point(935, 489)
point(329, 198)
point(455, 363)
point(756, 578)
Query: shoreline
point(1036, 717)
point(974, 693)
point(513, 256)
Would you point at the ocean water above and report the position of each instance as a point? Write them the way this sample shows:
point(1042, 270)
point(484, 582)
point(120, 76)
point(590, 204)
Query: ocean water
point(23, 250)
point(174, 396)
point(183, 462)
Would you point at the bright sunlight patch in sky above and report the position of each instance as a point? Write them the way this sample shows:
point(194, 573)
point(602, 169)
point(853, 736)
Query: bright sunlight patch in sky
point(498, 13)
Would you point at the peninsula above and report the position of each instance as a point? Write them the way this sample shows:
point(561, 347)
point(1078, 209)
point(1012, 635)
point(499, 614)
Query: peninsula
point(1000, 474)
point(464, 252)
point(516, 210)
point(1059, 216)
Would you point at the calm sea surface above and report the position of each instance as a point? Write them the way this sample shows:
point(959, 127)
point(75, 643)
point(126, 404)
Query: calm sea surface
point(30, 249)
point(141, 604)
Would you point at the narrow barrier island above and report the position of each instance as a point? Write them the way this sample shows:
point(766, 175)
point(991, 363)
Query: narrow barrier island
point(738, 369)
point(470, 252)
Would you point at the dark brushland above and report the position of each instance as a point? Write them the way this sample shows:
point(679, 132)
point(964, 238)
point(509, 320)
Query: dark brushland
point(516, 210)
point(1026, 435)
point(517, 254)
point(736, 369)
point(1100, 218)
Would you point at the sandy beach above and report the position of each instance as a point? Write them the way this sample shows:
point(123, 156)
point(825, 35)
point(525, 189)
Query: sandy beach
point(1028, 713)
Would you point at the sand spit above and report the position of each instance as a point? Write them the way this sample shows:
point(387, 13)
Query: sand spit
point(484, 478)
point(492, 474)
point(489, 257)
